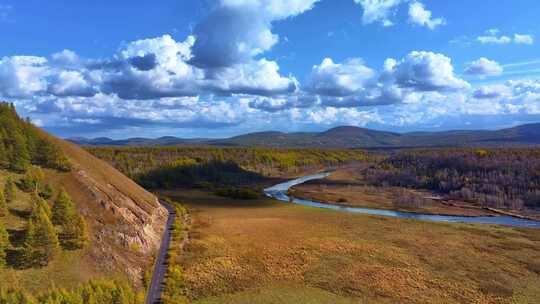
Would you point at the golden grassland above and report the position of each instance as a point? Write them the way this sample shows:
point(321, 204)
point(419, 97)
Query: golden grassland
point(271, 252)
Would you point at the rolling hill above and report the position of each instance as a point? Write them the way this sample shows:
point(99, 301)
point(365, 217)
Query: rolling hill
point(348, 137)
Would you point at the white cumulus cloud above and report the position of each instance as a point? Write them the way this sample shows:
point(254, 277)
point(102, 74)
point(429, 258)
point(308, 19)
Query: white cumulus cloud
point(523, 39)
point(484, 67)
point(427, 71)
point(378, 11)
point(419, 15)
point(237, 30)
point(339, 79)
point(23, 76)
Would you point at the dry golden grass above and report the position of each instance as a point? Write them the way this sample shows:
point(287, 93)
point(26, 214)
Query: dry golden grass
point(104, 173)
point(270, 252)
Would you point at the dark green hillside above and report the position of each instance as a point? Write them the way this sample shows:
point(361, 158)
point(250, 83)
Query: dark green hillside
point(166, 167)
point(21, 145)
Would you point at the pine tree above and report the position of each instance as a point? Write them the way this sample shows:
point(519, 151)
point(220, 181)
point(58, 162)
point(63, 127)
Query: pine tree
point(10, 191)
point(41, 241)
point(40, 203)
point(73, 232)
point(3, 205)
point(4, 243)
point(32, 179)
point(62, 208)
point(46, 192)
point(19, 156)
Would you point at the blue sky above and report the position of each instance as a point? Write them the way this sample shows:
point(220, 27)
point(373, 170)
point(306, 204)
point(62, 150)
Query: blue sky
point(218, 68)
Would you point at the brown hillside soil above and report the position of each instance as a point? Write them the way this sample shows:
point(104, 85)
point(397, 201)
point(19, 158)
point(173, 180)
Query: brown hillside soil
point(264, 251)
point(126, 221)
point(125, 225)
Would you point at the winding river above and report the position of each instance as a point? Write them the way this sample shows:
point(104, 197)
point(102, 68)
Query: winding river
point(279, 192)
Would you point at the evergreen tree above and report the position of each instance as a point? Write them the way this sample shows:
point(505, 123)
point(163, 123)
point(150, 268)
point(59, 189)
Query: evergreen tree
point(32, 180)
point(9, 190)
point(41, 241)
point(18, 156)
point(40, 203)
point(62, 208)
point(46, 192)
point(4, 244)
point(21, 144)
point(73, 232)
point(3, 205)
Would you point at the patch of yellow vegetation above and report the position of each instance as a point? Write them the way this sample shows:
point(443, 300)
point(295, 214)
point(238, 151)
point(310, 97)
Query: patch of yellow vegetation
point(239, 252)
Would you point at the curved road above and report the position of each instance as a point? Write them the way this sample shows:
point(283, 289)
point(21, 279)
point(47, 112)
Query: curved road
point(160, 267)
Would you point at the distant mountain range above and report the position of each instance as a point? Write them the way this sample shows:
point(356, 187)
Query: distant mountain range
point(346, 137)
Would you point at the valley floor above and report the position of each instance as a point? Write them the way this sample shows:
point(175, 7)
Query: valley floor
point(264, 251)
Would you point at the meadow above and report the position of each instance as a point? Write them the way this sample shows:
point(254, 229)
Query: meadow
point(262, 251)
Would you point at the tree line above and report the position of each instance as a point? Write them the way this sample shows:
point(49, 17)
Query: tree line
point(500, 178)
point(21, 144)
point(136, 161)
point(176, 290)
point(93, 292)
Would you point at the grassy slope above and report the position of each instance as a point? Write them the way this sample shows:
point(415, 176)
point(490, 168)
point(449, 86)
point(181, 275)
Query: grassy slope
point(68, 269)
point(106, 174)
point(103, 257)
point(268, 252)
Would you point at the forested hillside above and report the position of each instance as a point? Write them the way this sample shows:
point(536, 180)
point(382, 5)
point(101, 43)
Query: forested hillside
point(21, 145)
point(165, 167)
point(67, 218)
point(500, 178)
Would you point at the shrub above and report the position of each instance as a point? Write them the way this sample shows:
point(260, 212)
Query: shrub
point(94, 292)
point(32, 180)
point(3, 205)
point(238, 193)
point(46, 192)
point(9, 190)
point(4, 244)
point(175, 286)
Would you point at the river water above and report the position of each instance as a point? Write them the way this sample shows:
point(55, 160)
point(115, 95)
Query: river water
point(279, 192)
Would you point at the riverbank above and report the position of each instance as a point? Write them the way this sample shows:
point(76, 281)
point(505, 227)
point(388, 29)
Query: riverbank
point(281, 191)
point(344, 188)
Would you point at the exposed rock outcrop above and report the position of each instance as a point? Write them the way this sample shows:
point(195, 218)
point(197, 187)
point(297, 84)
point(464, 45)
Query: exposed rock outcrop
point(125, 221)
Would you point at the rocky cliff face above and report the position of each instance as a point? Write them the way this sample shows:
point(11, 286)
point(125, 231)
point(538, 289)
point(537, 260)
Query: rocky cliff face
point(125, 221)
